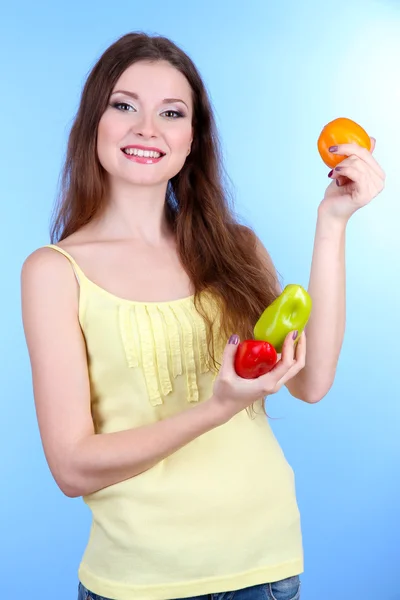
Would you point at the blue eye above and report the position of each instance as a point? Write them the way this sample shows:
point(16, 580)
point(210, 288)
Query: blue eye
point(123, 106)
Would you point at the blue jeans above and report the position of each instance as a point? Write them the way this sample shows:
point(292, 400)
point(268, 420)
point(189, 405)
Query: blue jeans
point(287, 589)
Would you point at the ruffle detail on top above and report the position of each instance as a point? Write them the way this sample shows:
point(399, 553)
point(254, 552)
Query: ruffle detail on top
point(166, 340)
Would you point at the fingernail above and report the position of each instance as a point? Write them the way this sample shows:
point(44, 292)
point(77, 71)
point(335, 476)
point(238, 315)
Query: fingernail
point(333, 149)
point(295, 334)
point(338, 168)
point(234, 339)
point(330, 173)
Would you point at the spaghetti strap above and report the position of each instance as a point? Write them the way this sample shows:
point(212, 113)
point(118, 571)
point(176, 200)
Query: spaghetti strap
point(77, 270)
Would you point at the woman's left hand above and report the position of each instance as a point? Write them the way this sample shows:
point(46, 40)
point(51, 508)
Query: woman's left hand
point(356, 181)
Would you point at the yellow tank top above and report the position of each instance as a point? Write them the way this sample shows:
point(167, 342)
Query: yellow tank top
point(218, 515)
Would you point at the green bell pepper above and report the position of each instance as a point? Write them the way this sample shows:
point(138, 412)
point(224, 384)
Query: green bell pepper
point(289, 312)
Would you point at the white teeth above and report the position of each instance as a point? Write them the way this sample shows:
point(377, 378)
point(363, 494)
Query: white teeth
point(143, 153)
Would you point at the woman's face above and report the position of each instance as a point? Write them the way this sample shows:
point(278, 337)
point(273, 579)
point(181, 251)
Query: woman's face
point(144, 136)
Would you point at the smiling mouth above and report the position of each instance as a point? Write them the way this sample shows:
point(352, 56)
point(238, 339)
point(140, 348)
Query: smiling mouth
point(142, 153)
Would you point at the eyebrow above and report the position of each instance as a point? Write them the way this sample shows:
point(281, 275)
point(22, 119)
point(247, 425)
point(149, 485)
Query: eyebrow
point(136, 97)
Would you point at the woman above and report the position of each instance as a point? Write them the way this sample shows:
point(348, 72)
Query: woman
point(126, 319)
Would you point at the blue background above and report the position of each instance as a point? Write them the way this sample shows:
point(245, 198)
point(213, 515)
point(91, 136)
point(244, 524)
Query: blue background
point(277, 72)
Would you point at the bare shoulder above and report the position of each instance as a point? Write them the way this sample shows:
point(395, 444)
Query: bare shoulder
point(45, 270)
point(48, 289)
point(43, 262)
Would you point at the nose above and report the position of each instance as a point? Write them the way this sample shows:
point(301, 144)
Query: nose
point(145, 126)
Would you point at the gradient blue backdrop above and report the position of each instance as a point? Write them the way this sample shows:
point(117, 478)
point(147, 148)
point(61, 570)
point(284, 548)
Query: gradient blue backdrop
point(277, 72)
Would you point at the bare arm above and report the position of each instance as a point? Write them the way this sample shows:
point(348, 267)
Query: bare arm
point(360, 179)
point(80, 460)
point(325, 329)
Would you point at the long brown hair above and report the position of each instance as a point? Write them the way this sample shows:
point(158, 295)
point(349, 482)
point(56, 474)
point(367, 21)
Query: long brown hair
point(218, 253)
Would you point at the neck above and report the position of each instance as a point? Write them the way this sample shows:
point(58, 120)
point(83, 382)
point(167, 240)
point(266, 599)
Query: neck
point(137, 213)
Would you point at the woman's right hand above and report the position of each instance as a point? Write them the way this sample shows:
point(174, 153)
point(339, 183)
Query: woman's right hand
point(232, 393)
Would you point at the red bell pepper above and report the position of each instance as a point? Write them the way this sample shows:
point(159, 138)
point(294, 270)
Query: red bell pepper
point(254, 358)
